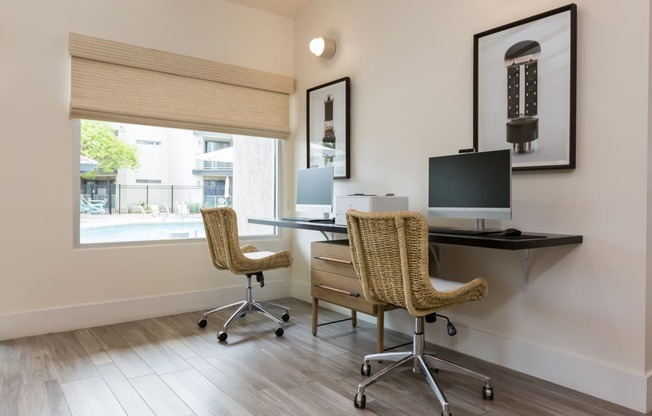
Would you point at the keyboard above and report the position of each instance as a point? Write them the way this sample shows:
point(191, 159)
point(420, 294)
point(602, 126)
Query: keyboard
point(304, 219)
point(459, 231)
point(482, 233)
point(515, 237)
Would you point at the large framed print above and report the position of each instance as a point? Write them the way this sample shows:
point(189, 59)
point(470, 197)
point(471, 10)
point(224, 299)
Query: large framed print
point(328, 126)
point(524, 80)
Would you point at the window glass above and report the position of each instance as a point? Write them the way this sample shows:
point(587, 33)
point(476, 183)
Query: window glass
point(143, 183)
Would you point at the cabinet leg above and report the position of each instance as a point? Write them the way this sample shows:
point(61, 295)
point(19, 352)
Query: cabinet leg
point(380, 329)
point(315, 309)
point(354, 318)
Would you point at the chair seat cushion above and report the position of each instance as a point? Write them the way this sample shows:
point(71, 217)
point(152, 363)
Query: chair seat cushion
point(256, 255)
point(445, 285)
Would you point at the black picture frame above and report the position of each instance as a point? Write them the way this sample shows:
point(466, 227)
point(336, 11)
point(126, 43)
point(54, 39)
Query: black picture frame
point(328, 126)
point(524, 89)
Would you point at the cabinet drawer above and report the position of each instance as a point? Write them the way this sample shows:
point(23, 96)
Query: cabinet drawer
point(333, 257)
point(340, 290)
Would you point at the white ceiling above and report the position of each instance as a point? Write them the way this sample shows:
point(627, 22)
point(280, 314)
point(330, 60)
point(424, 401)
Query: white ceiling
point(287, 8)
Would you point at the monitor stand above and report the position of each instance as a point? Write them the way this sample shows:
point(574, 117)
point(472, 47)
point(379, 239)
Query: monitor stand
point(479, 226)
point(325, 218)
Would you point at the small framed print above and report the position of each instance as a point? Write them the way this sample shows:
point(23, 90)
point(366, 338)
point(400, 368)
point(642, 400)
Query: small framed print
point(328, 126)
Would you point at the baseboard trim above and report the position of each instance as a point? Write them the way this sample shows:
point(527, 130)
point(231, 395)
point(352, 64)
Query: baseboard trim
point(38, 322)
point(571, 371)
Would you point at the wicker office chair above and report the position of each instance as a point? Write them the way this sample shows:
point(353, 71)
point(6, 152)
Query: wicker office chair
point(221, 226)
point(390, 254)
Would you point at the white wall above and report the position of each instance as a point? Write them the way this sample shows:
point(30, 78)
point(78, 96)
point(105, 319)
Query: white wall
point(46, 284)
point(582, 323)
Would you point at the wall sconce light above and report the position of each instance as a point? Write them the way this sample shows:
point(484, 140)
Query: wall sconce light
point(323, 47)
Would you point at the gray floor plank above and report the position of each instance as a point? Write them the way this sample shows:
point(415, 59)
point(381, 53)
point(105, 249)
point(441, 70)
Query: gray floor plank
point(202, 396)
point(91, 396)
point(129, 362)
point(92, 346)
point(46, 399)
point(151, 348)
point(237, 373)
point(124, 391)
point(236, 387)
point(159, 397)
point(12, 392)
point(35, 364)
point(68, 357)
point(169, 338)
point(200, 346)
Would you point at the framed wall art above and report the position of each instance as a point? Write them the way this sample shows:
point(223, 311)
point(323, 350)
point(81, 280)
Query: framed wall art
point(524, 80)
point(328, 126)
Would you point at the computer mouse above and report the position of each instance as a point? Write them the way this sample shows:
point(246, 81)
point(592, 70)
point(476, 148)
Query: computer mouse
point(512, 232)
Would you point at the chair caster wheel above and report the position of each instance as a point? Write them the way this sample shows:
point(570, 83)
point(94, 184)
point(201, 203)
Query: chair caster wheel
point(487, 393)
point(202, 323)
point(278, 331)
point(221, 336)
point(360, 400)
point(285, 317)
point(365, 370)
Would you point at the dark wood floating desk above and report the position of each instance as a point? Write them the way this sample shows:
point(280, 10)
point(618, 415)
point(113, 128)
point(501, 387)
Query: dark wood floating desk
point(326, 227)
point(333, 279)
point(488, 241)
point(522, 244)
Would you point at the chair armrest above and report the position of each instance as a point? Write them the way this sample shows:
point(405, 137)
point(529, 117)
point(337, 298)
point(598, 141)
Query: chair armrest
point(248, 248)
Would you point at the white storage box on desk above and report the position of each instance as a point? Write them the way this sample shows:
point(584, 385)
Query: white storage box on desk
point(368, 203)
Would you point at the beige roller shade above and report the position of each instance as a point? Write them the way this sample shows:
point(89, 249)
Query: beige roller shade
point(113, 81)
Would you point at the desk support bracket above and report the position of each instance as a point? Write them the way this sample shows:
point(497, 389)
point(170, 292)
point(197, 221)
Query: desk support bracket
point(523, 255)
point(434, 263)
point(525, 263)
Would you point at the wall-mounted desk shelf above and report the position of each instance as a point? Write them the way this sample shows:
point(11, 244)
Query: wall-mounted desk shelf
point(302, 225)
point(520, 244)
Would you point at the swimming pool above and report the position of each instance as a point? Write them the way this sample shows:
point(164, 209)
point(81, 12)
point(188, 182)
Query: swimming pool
point(142, 232)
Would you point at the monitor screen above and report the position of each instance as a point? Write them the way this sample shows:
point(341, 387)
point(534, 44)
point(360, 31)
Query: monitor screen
point(315, 189)
point(471, 185)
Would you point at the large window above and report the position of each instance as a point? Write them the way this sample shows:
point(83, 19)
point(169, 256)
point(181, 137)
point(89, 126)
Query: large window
point(143, 183)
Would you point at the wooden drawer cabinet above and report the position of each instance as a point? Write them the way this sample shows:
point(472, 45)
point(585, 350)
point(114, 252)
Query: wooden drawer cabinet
point(333, 279)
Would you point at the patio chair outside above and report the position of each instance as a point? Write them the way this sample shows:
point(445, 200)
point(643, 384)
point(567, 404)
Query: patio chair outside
point(91, 207)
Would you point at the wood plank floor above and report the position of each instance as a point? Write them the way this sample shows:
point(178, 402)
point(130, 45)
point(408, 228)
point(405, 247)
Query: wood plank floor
point(170, 366)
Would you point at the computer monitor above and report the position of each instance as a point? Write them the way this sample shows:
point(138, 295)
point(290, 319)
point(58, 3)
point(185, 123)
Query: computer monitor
point(315, 190)
point(471, 185)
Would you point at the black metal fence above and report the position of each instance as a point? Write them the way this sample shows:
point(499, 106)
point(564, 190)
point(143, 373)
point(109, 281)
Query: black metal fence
point(122, 199)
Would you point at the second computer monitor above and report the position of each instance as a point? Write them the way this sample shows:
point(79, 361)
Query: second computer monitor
point(315, 190)
point(471, 185)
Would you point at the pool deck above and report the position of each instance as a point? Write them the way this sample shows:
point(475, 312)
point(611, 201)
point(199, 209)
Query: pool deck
point(90, 221)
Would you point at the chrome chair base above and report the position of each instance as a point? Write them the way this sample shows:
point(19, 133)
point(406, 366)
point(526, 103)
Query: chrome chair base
point(417, 361)
point(249, 306)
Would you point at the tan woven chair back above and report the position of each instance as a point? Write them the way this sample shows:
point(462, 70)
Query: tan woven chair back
point(390, 255)
point(221, 226)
